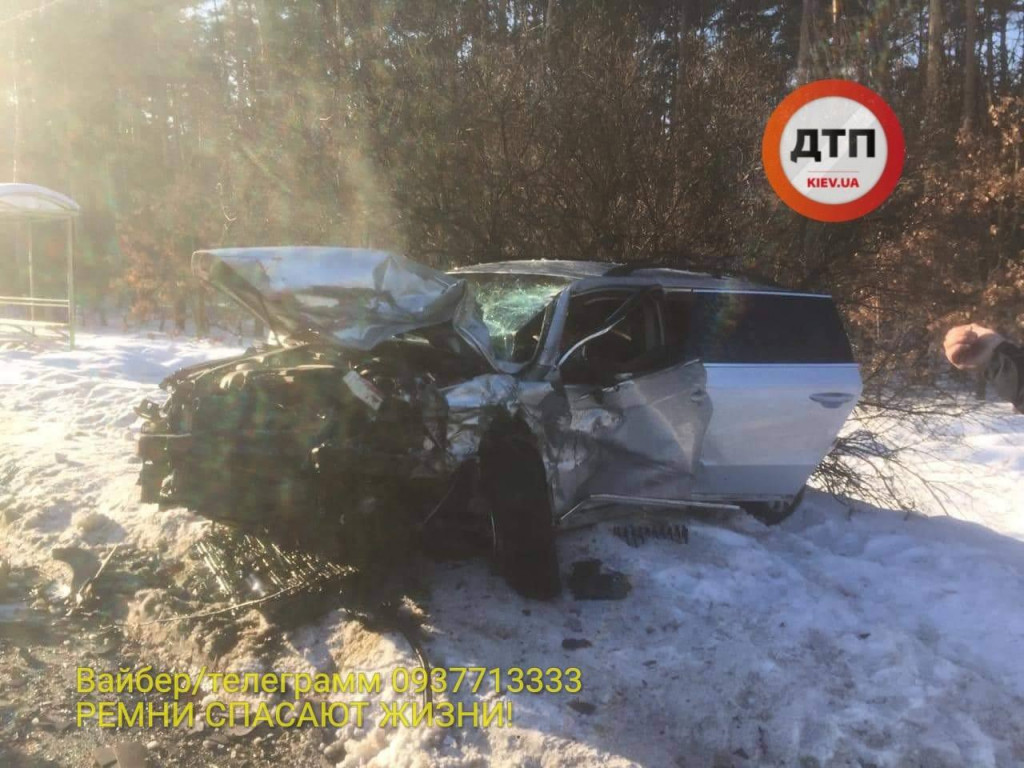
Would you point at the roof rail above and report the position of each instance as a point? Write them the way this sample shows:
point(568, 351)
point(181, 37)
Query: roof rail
point(623, 270)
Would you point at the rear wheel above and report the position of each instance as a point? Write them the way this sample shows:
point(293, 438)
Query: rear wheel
point(773, 513)
point(514, 485)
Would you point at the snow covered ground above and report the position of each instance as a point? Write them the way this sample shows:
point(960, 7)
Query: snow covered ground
point(843, 637)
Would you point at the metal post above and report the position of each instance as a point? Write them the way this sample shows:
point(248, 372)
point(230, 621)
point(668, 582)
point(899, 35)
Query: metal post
point(71, 281)
point(31, 283)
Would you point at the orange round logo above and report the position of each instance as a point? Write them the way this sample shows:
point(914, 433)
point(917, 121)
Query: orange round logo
point(833, 150)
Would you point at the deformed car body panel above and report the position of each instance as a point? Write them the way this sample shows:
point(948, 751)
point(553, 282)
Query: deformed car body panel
point(352, 297)
point(641, 437)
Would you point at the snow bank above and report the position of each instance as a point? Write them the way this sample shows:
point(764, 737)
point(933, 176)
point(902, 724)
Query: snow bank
point(843, 637)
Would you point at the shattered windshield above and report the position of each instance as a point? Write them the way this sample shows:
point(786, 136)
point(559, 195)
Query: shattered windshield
point(508, 304)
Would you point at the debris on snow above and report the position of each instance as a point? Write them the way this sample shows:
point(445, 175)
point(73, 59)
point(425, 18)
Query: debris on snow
point(575, 643)
point(589, 581)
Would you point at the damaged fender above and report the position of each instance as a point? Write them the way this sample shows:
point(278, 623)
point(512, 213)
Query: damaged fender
point(638, 438)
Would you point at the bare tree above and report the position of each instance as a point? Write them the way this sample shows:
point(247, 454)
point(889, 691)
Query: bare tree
point(936, 32)
point(803, 59)
point(970, 65)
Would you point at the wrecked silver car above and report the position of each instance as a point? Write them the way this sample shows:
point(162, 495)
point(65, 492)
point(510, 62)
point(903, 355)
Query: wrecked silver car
point(494, 404)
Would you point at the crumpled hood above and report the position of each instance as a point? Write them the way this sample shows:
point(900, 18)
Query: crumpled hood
point(354, 297)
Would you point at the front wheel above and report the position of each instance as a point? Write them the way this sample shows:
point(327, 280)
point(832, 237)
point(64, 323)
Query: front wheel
point(514, 485)
point(773, 512)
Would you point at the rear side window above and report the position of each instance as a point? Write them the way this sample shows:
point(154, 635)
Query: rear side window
point(760, 328)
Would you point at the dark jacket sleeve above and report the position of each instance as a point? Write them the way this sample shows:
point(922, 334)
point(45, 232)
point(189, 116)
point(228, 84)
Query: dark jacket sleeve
point(1006, 373)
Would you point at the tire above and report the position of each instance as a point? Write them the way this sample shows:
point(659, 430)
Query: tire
point(773, 513)
point(514, 485)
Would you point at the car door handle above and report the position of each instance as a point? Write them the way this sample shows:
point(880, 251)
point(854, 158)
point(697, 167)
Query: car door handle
point(831, 399)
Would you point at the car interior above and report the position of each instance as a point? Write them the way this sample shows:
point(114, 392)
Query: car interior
point(637, 343)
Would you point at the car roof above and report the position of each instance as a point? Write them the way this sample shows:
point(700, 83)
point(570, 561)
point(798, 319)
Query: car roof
point(599, 274)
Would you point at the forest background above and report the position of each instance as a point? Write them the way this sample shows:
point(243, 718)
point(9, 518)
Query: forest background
point(475, 130)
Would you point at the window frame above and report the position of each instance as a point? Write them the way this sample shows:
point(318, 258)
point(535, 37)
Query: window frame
point(697, 317)
point(650, 306)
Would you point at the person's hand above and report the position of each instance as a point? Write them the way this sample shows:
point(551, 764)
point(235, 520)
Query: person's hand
point(970, 346)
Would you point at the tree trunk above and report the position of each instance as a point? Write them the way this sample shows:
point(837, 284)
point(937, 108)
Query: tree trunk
point(1004, 56)
point(933, 81)
point(549, 22)
point(682, 37)
point(881, 49)
point(970, 65)
point(988, 32)
point(803, 58)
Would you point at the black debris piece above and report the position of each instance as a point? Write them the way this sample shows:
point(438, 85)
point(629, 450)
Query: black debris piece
point(583, 707)
point(588, 581)
point(575, 643)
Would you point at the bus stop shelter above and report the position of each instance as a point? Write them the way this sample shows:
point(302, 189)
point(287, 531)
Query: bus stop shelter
point(34, 206)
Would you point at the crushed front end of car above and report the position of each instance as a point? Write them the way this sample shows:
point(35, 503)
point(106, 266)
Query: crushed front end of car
point(335, 437)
